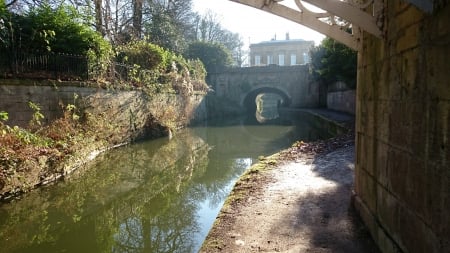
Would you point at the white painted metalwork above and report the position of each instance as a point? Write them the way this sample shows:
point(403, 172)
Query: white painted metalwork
point(340, 20)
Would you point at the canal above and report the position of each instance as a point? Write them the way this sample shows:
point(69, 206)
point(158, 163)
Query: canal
point(152, 196)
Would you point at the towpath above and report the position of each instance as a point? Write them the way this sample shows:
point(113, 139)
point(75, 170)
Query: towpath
point(296, 201)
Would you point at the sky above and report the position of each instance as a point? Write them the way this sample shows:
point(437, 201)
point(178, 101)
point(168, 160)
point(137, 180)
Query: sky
point(255, 25)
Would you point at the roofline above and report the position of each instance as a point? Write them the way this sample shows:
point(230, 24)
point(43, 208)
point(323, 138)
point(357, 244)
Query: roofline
point(272, 42)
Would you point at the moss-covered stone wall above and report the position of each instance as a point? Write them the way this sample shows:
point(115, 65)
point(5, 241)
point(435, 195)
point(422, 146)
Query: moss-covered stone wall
point(135, 112)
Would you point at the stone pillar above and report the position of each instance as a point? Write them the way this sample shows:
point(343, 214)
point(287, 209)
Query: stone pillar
point(402, 131)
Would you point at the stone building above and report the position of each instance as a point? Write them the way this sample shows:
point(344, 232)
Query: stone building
point(280, 52)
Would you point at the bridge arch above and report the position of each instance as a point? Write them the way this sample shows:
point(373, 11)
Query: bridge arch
point(248, 99)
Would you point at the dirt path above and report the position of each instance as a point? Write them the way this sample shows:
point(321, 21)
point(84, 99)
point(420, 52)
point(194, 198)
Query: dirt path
point(302, 205)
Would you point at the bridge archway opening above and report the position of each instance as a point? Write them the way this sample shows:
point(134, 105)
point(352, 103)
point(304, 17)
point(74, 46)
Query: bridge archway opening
point(264, 103)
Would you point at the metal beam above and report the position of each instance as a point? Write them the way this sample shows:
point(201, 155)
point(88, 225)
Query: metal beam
point(306, 18)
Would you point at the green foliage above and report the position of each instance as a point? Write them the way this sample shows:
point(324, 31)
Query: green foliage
point(157, 69)
point(214, 56)
point(3, 116)
point(37, 115)
point(332, 61)
point(46, 29)
point(143, 54)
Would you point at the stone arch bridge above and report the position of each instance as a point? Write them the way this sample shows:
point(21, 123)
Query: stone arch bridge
point(241, 85)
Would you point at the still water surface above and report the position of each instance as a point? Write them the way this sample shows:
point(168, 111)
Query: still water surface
point(153, 196)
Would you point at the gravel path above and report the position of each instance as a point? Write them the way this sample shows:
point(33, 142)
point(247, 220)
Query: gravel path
point(302, 205)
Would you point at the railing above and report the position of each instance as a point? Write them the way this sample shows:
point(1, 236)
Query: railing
point(67, 67)
point(45, 66)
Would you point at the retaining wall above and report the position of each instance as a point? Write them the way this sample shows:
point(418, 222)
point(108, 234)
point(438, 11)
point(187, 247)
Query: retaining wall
point(132, 111)
point(342, 101)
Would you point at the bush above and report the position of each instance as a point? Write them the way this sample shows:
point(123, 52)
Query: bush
point(157, 69)
point(332, 61)
point(144, 54)
point(45, 29)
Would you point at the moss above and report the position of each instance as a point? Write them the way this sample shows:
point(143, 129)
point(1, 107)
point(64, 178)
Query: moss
point(212, 244)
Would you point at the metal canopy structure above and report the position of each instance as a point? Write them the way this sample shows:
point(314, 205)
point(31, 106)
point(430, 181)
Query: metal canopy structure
point(340, 20)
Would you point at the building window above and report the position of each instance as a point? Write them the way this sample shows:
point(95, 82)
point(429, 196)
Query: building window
point(257, 60)
point(269, 59)
point(306, 58)
point(281, 59)
point(293, 59)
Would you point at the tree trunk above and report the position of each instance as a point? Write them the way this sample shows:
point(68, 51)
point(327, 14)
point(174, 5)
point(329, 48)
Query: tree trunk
point(98, 17)
point(137, 18)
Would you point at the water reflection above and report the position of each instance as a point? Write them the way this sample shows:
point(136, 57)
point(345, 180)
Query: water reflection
point(153, 196)
point(267, 105)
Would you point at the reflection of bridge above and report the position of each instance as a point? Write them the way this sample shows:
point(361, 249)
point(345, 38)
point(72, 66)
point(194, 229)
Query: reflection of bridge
point(243, 85)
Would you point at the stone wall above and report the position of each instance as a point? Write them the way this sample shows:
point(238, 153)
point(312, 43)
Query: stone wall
point(342, 101)
point(402, 181)
point(50, 96)
point(133, 112)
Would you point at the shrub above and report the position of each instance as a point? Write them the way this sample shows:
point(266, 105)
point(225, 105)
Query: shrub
point(144, 54)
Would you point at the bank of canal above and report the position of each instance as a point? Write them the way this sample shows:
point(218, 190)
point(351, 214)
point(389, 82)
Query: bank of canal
point(153, 196)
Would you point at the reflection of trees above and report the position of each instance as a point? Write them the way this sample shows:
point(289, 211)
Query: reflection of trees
point(144, 197)
point(131, 200)
point(165, 225)
point(214, 188)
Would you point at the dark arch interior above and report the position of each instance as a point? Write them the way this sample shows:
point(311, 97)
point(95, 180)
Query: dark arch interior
point(249, 101)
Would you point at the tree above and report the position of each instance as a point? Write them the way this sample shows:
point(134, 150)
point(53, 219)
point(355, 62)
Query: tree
point(213, 55)
point(209, 29)
point(332, 61)
point(168, 23)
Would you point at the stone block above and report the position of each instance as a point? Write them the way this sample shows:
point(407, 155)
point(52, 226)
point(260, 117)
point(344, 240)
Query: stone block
point(400, 124)
point(438, 132)
point(397, 165)
point(385, 242)
point(381, 116)
point(383, 82)
point(388, 210)
point(366, 121)
point(365, 160)
point(436, 71)
point(416, 178)
point(365, 187)
point(382, 150)
point(410, 86)
point(370, 156)
point(367, 216)
point(414, 234)
point(419, 129)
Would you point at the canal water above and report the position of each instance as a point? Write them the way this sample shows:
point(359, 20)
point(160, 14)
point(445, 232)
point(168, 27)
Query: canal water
point(152, 196)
